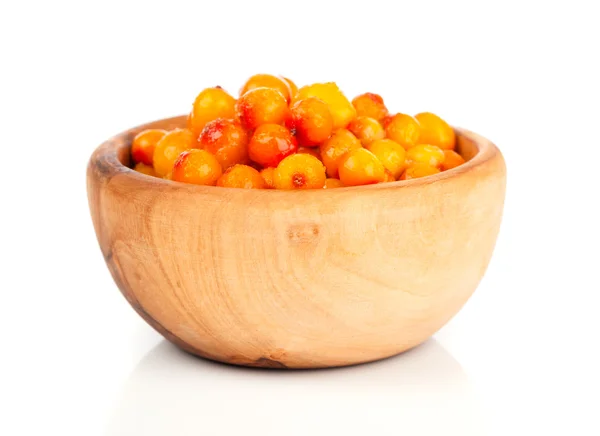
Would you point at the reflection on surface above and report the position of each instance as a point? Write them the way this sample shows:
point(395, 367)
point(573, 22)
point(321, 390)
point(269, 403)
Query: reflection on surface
point(423, 391)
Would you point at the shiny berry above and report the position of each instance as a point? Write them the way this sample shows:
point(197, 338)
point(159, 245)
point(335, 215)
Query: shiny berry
point(142, 147)
point(451, 160)
point(268, 175)
point(424, 154)
point(361, 167)
point(210, 104)
point(241, 176)
point(370, 105)
point(332, 150)
point(300, 171)
point(340, 107)
point(366, 130)
point(403, 129)
point(391, 154)
point(267, 81)
point(270, 143)
point(198, 167)
point(227, 140)
point(435, 131)
point(310, 121)
point(261, 106)
point(169, 148)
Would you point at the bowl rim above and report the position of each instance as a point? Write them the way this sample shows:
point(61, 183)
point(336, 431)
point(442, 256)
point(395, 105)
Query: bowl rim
point(106, 159)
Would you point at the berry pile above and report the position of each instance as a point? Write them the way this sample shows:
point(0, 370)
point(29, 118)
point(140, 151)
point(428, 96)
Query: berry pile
point(276, 136)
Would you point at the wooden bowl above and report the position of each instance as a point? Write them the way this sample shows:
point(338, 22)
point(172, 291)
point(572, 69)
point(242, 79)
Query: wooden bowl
point(305, 279)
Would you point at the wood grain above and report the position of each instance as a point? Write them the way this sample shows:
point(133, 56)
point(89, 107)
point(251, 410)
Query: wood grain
point(297, 279)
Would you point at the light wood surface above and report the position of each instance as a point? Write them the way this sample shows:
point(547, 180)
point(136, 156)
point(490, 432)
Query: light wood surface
point(297, 279)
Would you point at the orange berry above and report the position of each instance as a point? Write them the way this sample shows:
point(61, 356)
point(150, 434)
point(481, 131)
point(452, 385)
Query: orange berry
point(331, 183)
point(366, 130)
point(332, 150)
point(268, 174)
point(261, 106)
point(300, 171)
point(389, 177)
point(292, 85)
point(416, 171)
point(386, 120)
point(169, 148)
point(451, 160)
point(142, 147)
point(391, 154)
point(241, 176)
point(341, 109)
point(270, 143)
point(144, 169)
point(403, 129)
point(198, 167)
point(314, 151)
point(424, 154)
point(436, 131)
point(267, 81)
point(370, 105)
point(227, 140)
point(361, 167)
point(210, 104)
point(310, 121)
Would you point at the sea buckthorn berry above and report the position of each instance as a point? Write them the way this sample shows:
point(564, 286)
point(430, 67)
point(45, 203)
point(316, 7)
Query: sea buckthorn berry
point(300, 171)
point(144, 169)
point(142, 147)
point(436, 131)
point(241, 176)
point(293, 87)
point(268, 174)
point(210, 104)
point(270, 143)
point(366, 130)
point(267, 81)
point(341, 109)
point(451, 160)
point(391, 154)
point(403, 129)
point(389, 177)
point(227, 140)
point(314, 151)
point(310, 121)
point(261, 106)
point(198, 167)
point(370, 105)
point(332, 150)
point(425, 154)
point(386, 120)
point(361, 167)
point(169, 148)
point(416, 171)
point(331, 183)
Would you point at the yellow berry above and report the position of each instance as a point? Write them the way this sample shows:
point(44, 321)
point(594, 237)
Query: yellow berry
point(451, 160)
point(361, 167)
point(198, 167)
point(169, 148)
point(332, 150)
point(300, 171)
point(424, 154)
point(417, 171)
point(241, 176)
point(268, 175)
point(403, 129)
point(391, 154)
point(436, 131)
point(341, 109)
point(366, 130)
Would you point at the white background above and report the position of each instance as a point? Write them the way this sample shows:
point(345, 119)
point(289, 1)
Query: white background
point(521, 358)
